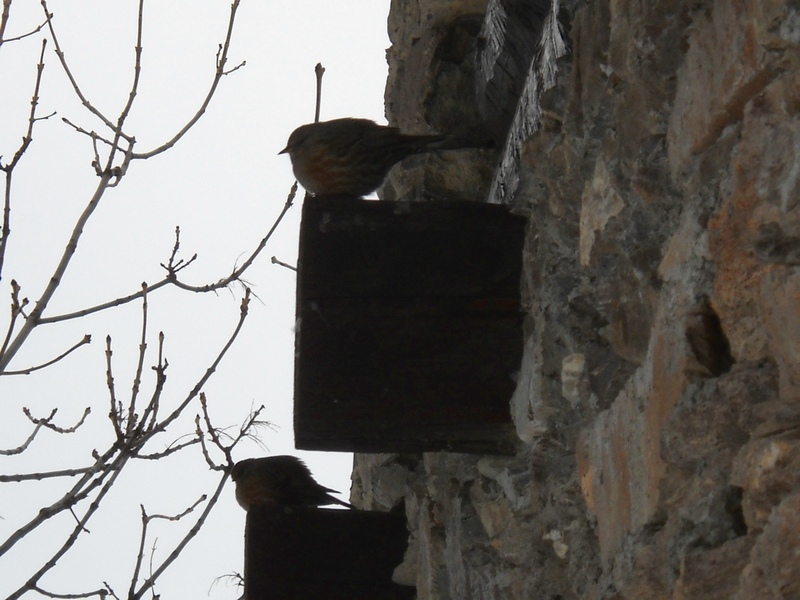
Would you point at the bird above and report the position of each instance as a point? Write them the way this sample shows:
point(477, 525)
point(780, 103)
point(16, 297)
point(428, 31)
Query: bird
point(352, 157)
point(279, 481)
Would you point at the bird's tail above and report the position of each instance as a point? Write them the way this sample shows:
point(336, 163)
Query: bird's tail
point(343, 503)
point(432, 143)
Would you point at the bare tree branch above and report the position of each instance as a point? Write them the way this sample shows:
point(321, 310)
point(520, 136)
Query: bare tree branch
point(24, 446)
point(137, 378)
point(87, 339)
point(115, 412)
point(213, 433)
point(150, 581)
point(46, 423)
point(101, 593)
point(173, 266)
point(4, 22)
point(91, 479)
point(17, 308)
point(94, 137)
point(143, 538)
point(21, 448)
point(72, 245)
point(274, 260)
point(4, 19)
point(319, 71)
point(171, 279)
point(79, 528)
point(170, 450)
point(210, 371)
point(150, 411)
point(48, 475)
point(26, 142)
point(222, 59)
point(68, 72)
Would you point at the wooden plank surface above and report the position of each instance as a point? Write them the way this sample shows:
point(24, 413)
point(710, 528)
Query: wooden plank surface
point(410, 328)
point(309, 552)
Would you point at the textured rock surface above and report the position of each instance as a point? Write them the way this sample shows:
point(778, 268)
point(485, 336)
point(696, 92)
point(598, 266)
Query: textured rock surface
point(658, 405)
point(431, 89)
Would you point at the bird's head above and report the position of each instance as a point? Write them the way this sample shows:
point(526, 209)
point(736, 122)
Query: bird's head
point(297, 140)
point(241, 469)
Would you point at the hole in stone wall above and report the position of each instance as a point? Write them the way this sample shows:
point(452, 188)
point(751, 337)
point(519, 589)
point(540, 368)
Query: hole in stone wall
point(733, 506)
point(707, 340)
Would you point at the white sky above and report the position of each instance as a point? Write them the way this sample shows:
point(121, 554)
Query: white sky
point(224, 184)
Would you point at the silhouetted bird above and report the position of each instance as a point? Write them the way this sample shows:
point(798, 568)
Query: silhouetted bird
point(279, 481)
point(351, 157)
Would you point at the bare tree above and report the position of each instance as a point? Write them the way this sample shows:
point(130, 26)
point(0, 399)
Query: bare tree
point(146, 413)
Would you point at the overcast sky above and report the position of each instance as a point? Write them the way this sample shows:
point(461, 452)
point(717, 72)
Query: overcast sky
point(224, 185)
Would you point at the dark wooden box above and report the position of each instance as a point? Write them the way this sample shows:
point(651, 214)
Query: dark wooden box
point(299, 553)
point(409, 326)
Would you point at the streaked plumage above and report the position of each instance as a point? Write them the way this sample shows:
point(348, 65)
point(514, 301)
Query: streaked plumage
point(352, 157)
point(279, 481)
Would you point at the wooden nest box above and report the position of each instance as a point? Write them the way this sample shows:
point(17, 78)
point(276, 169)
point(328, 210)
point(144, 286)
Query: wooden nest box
point(308, 552)
point(409, 323)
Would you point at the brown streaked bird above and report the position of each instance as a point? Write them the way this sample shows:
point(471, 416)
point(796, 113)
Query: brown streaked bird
point(279, 481)
point(352, 157)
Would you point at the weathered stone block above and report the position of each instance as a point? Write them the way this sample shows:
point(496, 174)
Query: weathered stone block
point(780, 312)
point(713, 574)
point(767, 470)
point(764, 163)
point(619, 457)
point(774, 569)
point(728, 63)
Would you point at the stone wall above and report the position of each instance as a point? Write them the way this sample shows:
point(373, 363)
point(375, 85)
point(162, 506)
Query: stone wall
point(656, 149)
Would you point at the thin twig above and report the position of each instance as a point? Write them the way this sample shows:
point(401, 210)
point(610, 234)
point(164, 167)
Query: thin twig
point(91, 134)
point(319, 71)
point(212, 432)
point(150, 581)
point(137, 70)
point(26, 142)
point(17, 307)
point(222, 59)
point(80, 490)
point(110, 591)
point(173, 266)
point(4, 22)
point(170, 450)
point(79, 528)
point(55, 280)
point(137, 378)
point(101, 593)
point(222, 283)
point(274, 260)
point(209, 372)
point(24, 446)
point(119, 171)
point(4, 19)
point(115, 411)
point(87, 339)
point(151, 410)
point(237, 273)
point(245, 431)
point(143, 537)
point(45, 475)
point(48, 424)
point(62, 58)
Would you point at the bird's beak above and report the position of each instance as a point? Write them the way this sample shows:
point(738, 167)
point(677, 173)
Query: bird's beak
point(284, 151)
